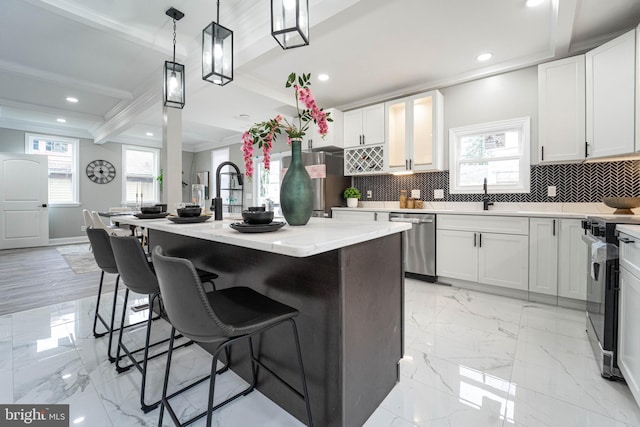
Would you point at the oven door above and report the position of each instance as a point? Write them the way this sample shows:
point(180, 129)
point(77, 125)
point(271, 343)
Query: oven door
point(602, 303)
point(596, 285)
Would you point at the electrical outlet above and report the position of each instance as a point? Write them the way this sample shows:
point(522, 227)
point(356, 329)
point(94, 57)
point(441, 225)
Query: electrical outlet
point(369, 194)
point(438, 194)
point(551, 191)
point(415, 194)
point(83, 228)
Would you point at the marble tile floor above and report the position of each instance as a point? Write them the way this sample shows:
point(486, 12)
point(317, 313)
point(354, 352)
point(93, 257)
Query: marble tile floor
point(471, 359)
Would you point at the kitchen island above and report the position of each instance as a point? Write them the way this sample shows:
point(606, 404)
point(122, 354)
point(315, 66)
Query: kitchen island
point(345, 278)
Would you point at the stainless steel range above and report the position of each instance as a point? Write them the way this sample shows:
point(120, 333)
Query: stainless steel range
point(602, 288)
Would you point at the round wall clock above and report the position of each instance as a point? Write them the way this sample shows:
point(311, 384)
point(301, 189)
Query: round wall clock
point(101, 171)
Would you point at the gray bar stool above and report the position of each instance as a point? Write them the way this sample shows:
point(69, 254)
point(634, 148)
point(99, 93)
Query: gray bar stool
point(216, 320)
point(101, 248)
point(137, 274)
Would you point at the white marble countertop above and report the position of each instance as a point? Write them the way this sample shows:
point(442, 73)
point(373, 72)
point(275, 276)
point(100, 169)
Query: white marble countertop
point(319, 235)
point(548, 210)
point(631, 230)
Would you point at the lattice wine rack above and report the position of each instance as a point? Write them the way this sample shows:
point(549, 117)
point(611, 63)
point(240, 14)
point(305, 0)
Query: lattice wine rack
point(364, 160)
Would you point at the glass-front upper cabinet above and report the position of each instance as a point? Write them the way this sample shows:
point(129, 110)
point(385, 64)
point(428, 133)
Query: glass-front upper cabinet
point(414, 133)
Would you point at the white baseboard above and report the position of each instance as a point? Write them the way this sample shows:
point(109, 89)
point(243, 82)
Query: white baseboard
point(68, 240)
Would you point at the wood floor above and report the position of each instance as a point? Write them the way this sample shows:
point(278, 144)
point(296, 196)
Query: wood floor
point(37, 277)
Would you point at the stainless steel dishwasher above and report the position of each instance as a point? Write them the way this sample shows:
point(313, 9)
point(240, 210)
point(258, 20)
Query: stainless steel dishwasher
point(419, 245)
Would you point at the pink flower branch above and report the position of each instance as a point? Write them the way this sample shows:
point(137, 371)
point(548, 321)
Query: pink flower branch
point(264, 133)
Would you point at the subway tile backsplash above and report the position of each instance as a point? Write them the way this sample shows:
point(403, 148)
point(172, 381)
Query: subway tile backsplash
point(583, 182)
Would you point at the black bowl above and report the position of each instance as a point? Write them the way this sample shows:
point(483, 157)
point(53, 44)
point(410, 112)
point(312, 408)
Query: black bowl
point(189, 211)
point(256, 209)
point(162, 206)
point(257, 217)
point(151, 209)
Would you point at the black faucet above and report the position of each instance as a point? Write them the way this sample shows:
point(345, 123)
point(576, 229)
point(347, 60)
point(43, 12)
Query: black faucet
point(485, 199)
point(216, 204)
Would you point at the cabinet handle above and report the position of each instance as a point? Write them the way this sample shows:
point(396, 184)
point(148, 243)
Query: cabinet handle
point(375, 216)
point(625, 240)
point(480, 240)
point(310, 144)
point(474, 240)
point(406, 164)
point(554, 227)
point(586, 149)
point(362, 139)
point(410, 164)
point(542, 148)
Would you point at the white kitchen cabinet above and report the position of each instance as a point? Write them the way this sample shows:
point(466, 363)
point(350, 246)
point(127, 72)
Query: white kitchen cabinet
point(543, 256)
point(457, 254)
point(610, 97)
point(561, 110)
point(489, 250)
point(572, 260)
point(414, 133)
point(333, 139)
point(364, 126)
point(629, 314)
point(503, 260)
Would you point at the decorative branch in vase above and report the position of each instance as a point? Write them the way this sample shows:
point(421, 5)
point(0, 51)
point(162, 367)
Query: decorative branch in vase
point(296, 192)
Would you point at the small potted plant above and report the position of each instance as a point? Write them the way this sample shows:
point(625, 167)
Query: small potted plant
point(352, 194)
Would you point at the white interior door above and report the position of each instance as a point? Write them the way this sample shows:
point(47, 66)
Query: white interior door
point(24, 219)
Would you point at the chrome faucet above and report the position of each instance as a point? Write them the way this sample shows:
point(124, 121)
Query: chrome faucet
point(217, 201)
point(485, 199)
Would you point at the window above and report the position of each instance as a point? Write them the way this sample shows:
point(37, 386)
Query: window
point(63, 165)
point(140, 167)
point(498, 151)
point(267, 181)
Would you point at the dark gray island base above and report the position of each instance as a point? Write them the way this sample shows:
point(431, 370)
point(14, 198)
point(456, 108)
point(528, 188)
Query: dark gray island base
point(351, 331)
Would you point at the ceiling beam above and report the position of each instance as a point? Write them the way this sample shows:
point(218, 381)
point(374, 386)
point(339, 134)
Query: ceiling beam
point(563, 15)
point(50, 77)
point(85, 16)
point(124, 119)
point(48, 110)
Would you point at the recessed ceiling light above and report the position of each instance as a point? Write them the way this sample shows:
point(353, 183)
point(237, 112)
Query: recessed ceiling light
point(244, 117)
point(149, 133)
point(484, 57)
point(323, 77)
point(533, 3)
point(72, 99)
point(61, 120)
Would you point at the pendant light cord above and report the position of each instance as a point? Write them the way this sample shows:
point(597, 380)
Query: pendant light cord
point(174, 40)
point(218, 12)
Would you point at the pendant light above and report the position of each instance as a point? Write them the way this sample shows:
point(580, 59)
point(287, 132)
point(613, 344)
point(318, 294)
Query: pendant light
point(217, 52)
point(173, 81)
point(290, 22)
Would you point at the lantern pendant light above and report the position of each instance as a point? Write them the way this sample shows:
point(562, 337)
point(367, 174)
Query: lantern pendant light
point(217, 52)
point(290, 22)
point(173, 81)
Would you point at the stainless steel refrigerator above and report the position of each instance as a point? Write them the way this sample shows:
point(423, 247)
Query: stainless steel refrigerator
point(327, 176)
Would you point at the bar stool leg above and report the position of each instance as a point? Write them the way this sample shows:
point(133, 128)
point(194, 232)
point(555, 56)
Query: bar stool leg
point(113, 315)
point(302, 375)
point(165, 384)
point(95, 316)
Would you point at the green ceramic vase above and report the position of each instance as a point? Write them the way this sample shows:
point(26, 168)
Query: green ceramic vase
point(296, 191)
